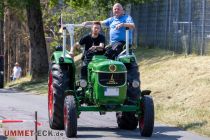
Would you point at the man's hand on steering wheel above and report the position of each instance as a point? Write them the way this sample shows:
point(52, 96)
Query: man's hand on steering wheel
point(93, 48)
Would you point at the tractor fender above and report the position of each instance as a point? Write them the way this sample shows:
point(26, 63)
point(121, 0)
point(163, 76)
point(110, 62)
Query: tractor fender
point(58, 58)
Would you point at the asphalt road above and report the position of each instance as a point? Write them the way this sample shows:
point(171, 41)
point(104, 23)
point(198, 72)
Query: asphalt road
point(22, 106)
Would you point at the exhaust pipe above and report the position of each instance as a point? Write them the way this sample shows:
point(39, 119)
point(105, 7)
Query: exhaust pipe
point(127, 40)
point(64, 42)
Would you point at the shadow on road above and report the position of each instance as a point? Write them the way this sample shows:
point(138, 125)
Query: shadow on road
point(159, 133)
point(193, 125)
point(8, 91)
point(3, 138)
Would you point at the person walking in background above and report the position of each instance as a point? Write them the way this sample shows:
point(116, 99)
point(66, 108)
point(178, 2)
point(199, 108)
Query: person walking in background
point(16, 71)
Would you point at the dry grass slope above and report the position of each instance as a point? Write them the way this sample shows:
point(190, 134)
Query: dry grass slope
point(181, 90)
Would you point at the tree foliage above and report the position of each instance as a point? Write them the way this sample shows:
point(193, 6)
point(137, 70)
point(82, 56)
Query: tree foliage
point(39, 57)
point(78, 11)
point(82, 10)
point(1, 10)
point(100, 5)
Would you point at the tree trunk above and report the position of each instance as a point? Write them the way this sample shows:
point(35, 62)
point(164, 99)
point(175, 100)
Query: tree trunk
point(39, 60)
point(1, 29)
point(2, 38)
point(7, 41)
point(16, 43)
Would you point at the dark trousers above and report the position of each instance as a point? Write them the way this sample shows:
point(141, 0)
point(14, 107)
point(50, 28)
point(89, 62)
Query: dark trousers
point(114, 50)
point(84, 70)
point(86, 58)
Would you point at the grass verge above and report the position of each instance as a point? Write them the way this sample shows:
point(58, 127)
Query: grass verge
point(26, 84)
point(180, 88)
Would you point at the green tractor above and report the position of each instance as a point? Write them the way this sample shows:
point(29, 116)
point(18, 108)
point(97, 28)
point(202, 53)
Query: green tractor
point(104, 91)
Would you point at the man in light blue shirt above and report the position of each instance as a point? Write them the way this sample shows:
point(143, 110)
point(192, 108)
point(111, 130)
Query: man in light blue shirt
point(117, 25)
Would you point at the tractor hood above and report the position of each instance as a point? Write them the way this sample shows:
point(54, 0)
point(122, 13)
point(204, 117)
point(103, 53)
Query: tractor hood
point(102, 64)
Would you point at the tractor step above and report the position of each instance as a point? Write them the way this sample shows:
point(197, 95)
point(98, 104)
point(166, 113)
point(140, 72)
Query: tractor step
point(124, 108)
point(69, 92)
point(145, 92)
point(102, 112)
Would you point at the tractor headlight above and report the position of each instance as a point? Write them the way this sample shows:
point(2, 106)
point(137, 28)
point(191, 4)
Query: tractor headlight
point(83, 83)
point(135, 84)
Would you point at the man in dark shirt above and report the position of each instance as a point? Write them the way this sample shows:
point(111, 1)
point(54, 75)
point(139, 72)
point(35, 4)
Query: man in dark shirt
point(94, 45)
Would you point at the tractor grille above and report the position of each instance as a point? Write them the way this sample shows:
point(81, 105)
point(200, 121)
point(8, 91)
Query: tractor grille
point(112, 79)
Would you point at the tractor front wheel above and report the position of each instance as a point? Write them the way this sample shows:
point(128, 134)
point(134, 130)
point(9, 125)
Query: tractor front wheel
point(70, 116)
point(146, 119)
point(127, 120)
point(58, 82)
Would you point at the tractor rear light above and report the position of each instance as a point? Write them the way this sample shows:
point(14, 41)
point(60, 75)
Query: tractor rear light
point(83, 83)
point(135, 84)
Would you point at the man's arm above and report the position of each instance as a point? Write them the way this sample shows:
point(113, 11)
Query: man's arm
point(129, 25)
point(100, 47)
point(77, 45)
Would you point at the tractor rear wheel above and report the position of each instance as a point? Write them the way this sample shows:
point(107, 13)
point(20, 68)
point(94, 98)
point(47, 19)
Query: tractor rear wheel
point(146, 120)
point(70, 116)
point(1, 79)
point(58, 82)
